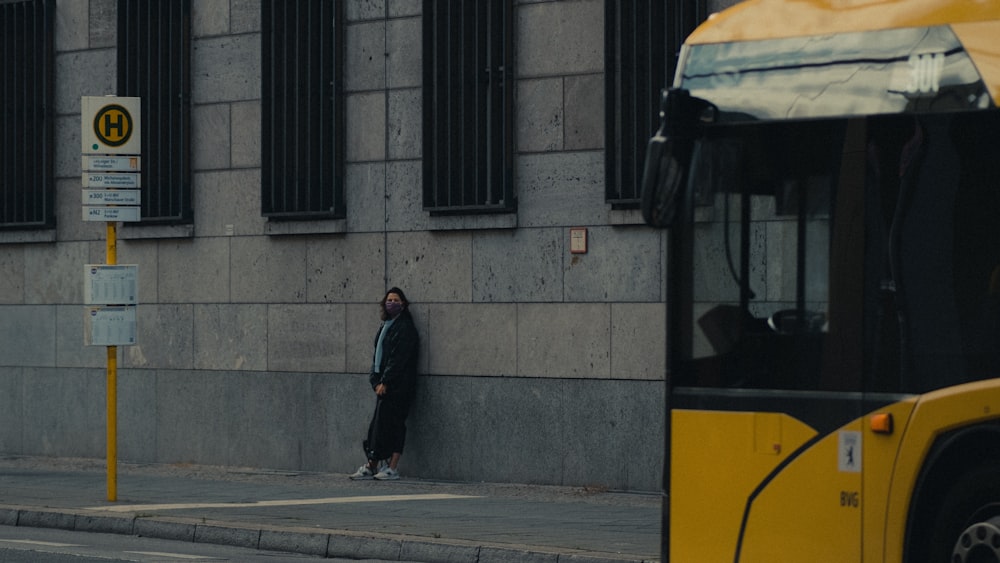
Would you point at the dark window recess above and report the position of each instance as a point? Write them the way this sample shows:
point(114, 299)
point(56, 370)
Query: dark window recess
point(642, 40)
point(27, 187)
point(154, 64)
point(468, 100)
point(302, 115)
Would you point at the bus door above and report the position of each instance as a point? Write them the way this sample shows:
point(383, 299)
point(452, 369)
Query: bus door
point(932, 322)
point(766, 438)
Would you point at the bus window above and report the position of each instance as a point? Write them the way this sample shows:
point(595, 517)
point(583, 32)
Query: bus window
point(836, 255)
point(932, 305)
point(761, 256)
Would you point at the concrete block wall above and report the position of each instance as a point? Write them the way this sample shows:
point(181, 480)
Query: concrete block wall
point(255, 338)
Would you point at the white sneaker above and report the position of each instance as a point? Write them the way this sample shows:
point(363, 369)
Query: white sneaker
point(387, 474)
point(363, 473)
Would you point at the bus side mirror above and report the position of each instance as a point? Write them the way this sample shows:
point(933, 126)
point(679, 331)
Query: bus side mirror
point(668, 155)
point(662, 176)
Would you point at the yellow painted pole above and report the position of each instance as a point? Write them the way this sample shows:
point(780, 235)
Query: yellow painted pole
point(112, 392)
point(112, 423)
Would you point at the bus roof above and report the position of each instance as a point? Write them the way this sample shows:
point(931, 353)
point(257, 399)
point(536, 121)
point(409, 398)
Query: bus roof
point(976, 23)
point(773, 19)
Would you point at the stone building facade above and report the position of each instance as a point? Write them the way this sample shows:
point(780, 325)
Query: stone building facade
point(539, 365)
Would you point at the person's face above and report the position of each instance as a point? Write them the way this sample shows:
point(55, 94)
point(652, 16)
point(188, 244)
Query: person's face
point(393, 298)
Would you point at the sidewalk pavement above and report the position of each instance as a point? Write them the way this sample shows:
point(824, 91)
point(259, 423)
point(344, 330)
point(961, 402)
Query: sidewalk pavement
point(329, 515)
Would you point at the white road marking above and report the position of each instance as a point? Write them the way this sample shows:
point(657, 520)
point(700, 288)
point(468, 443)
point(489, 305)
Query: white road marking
point(171, 555)
point(42, 543)
point(264, 503)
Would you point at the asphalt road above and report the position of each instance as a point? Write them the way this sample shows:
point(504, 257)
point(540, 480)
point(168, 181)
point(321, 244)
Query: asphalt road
point(44, 545)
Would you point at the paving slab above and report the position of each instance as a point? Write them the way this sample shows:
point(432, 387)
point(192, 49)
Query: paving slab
point(329, 515)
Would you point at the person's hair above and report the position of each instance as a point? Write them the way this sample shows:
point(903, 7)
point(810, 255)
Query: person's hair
point(402, 296)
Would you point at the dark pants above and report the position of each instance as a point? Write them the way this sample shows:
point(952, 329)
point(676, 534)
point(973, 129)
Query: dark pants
point(387, 430)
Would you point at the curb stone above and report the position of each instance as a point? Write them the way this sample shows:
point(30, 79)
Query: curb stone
point(100, 523)
point(325, 543)
point(295, 542)
point(165, 529)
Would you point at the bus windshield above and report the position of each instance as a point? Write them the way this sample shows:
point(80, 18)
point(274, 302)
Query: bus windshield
point(842, 254)
point(852, 74)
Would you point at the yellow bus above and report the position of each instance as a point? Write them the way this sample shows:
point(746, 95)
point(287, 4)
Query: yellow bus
point(829, 171)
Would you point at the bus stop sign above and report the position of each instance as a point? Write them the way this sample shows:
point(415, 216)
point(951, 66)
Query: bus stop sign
point(110, 125)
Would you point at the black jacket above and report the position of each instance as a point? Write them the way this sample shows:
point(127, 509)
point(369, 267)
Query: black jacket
point(400, 350)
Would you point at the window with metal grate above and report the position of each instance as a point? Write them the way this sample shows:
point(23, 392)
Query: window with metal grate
point(154, 64)
point(468, 107)
point(642, 39)
point(302, 109)
point(27, 186)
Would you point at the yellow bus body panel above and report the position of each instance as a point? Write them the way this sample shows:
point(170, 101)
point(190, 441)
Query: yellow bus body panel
point(935, 413)
point(810, 511)
point(881, 451)
point(752, 20)
point(719, 458)
point(813, 508)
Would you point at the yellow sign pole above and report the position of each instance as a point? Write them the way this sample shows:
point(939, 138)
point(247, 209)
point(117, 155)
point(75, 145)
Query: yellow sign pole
point(112, 392)
point(110, 145)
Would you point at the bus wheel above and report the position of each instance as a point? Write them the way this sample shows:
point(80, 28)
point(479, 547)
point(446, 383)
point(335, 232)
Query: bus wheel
point(979, 543)
point(966, 529)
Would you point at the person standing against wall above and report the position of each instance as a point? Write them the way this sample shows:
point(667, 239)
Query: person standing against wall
point(393, 379)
